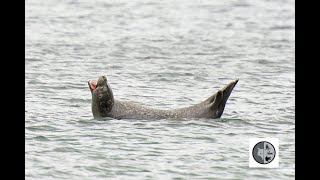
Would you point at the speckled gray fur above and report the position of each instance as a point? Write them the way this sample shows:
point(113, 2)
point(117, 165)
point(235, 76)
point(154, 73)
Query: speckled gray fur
point(104, 105)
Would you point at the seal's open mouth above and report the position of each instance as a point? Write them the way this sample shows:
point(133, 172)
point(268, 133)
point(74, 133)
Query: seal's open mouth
point(92, 84)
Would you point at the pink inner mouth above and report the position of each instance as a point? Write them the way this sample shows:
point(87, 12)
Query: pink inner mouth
point(92, 84)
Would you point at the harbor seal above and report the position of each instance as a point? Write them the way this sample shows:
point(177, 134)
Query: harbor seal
point(104, 105)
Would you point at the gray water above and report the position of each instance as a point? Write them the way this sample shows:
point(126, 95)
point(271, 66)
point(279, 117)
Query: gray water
point(164, 54)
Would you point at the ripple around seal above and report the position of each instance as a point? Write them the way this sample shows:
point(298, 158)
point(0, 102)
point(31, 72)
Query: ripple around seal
point(166, 55)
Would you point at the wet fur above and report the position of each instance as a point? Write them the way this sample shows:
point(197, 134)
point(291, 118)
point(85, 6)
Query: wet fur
point(104, 105)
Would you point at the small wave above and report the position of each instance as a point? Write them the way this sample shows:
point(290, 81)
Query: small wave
point(41, 138)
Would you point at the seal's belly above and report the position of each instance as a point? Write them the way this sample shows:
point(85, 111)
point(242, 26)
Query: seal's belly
point(129, 110)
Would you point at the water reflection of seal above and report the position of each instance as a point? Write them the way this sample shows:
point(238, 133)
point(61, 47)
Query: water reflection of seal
point(104, 105)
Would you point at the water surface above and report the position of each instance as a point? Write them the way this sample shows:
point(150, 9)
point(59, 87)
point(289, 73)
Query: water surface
point(165, 54)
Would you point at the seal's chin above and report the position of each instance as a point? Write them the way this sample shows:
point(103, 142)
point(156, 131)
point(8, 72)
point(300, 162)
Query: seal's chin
point(92, 84)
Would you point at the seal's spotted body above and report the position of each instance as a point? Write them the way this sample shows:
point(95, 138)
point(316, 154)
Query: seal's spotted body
point(104, 105)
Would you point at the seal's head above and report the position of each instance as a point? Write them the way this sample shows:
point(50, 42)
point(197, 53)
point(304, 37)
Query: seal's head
point(102, 97)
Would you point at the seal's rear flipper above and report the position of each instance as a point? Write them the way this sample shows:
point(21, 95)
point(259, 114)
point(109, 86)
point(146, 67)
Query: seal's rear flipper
point(217, 100)
point(226, 91)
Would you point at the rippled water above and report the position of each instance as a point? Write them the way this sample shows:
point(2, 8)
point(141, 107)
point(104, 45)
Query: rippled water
point(164, 54)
